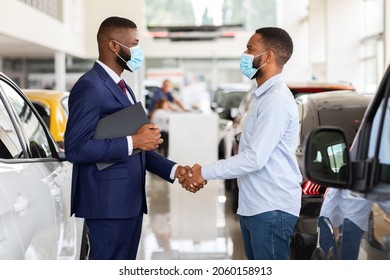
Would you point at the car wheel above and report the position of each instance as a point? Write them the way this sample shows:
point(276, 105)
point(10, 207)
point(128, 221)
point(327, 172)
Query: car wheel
point(85, 251)
point(371, 233)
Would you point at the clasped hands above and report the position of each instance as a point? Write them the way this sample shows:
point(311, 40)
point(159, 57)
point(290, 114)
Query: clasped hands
point(190, 178)
point(148, 137)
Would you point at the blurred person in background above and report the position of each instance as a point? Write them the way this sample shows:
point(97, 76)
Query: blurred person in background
point(165, 92)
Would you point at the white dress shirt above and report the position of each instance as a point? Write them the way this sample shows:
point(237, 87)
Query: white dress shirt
point(265, 166)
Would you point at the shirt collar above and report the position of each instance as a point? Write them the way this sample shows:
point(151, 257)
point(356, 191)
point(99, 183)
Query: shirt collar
point(268, 84)
point(110, 72)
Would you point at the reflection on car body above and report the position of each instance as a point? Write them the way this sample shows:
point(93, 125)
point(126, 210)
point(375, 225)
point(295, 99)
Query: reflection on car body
point(35, 179)
point(379, 228)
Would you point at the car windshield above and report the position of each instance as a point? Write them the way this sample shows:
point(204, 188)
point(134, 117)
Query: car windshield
point(231, 99)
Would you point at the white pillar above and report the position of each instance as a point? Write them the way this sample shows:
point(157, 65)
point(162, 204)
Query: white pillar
point(318, 39)
point(60, 71)
point(386, 33)
point(293, 17)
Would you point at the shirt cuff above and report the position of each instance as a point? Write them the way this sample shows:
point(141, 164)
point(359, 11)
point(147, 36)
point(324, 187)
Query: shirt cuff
point(207, 172)
point(173, 171)
point(129, 145)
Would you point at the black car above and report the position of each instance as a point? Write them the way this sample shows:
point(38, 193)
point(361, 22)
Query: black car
point(344, 109)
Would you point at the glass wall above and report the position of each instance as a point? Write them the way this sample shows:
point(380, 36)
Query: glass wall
point(372, 45)
point(248, 13)
point(52, 8)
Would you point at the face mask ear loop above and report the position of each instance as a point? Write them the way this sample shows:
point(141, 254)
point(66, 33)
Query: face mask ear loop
point(120, 57)
point(265, 63)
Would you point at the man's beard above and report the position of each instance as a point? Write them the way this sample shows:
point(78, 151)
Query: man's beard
point(259, 73)
point(120, 61)
point(256, 64)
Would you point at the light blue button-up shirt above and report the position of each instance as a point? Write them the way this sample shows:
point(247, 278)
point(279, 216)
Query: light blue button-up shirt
point(265, 166)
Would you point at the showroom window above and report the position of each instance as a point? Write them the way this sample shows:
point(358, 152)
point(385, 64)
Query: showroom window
point(52, 8)
point(248, 13)
point(372, 45)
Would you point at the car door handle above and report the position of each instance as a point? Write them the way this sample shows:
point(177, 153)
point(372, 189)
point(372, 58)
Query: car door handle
point(21, 204)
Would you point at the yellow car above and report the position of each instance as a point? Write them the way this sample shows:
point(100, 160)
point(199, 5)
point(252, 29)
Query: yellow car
point(53, 107)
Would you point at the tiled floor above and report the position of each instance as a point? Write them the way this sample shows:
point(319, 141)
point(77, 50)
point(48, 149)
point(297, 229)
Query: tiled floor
point(202, 226)
point(181, 225)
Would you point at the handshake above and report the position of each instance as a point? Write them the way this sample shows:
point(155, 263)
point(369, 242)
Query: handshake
point(190, 178)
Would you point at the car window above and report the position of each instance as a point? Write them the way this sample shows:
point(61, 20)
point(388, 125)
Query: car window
point(300, 113)
point(232, 99)
point(384, 147)
point(64, 103)
point(10, 146)
point(43, 111)
point(32, 128)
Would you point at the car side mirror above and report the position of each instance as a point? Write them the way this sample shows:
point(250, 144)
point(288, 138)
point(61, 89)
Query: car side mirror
point(327, 159)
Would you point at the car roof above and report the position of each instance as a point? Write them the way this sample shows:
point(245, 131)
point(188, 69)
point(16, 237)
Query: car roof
point(45, 94)
point(311, 87)
point(234, 86)
point(334, 99)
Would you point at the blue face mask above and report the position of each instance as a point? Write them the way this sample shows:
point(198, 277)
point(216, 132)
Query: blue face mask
point(246, 65)
point(136, 57)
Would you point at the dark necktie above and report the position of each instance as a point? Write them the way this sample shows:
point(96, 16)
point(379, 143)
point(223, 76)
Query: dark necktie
point(122, 85)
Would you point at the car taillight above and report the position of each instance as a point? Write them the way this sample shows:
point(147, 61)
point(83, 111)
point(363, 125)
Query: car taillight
point(310, 188)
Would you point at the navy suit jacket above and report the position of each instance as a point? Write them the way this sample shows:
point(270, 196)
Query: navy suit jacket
point(119, 190)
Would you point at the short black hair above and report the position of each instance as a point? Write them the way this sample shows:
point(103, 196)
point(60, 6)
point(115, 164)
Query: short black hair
point(112, 24)
point(279, 41)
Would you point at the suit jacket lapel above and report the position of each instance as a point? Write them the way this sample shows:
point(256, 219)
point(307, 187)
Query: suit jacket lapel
point(112, 86)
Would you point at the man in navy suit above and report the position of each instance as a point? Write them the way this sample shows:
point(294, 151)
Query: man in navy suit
point(112, 200)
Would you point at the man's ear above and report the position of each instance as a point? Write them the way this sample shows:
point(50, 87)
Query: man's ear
point(114, 47)
point(270, 57)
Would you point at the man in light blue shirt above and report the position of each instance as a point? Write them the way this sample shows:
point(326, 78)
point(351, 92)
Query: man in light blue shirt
point(265, 166)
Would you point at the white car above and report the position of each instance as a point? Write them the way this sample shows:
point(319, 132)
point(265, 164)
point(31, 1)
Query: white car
point(35, 186)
